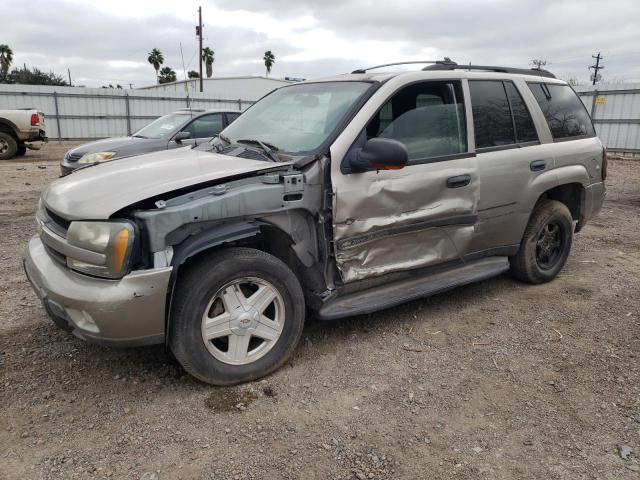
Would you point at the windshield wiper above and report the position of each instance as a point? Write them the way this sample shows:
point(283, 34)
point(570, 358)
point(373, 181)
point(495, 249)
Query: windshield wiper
point(266, 147)
point(139, 136)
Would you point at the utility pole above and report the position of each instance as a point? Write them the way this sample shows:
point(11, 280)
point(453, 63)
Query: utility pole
point(199, 32)
point(596, 67)
point(69, 71)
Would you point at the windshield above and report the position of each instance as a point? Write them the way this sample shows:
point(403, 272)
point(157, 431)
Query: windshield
point(299, 118)
point(163, 127)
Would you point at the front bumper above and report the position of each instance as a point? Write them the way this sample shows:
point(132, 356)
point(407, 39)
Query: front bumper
point(67, 167)
point(125, 312)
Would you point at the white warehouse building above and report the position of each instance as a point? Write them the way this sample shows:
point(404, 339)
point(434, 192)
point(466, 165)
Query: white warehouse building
point(230, 88)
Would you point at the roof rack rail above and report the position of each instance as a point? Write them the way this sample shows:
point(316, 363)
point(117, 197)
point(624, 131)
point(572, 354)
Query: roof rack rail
point(445, 61)
point(522, 71)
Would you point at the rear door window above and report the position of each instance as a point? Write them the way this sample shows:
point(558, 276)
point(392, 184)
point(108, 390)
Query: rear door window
point(491, 114)
point(428, 118)
point(565, 113)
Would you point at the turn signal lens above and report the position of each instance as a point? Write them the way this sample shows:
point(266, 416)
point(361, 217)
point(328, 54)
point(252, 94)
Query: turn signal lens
point(377, 166)
point(120, 245)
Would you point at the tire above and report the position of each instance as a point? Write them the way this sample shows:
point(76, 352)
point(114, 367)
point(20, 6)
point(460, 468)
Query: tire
point(219, 286)
point(545, 245)
point(8, 146)
point(20, 152)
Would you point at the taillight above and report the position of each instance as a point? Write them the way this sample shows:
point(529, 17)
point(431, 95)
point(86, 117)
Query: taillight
point(35, 120)
point(605, 163)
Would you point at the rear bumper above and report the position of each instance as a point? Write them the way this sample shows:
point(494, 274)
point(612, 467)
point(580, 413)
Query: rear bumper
point(125, 312)
point(33, 136)
point(593, 200)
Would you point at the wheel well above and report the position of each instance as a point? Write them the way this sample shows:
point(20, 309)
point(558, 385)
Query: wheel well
point(7, 128)
point(271, 240)
point(571, 194)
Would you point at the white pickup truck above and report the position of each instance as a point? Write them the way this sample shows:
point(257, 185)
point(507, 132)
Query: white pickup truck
point(21, 129)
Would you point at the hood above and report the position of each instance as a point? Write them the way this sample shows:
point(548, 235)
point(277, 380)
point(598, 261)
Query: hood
point(96, 193)
point(123, 146)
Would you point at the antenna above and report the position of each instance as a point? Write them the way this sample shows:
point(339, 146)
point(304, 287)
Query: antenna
point(186, 89)
point(186, 82)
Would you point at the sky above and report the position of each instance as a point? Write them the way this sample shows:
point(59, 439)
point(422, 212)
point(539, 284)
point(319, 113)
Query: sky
point(108, 42)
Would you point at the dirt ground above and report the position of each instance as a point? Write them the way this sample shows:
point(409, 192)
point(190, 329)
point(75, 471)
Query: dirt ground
point(497, 380)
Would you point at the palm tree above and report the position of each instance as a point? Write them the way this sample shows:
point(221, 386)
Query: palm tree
point(6, 57)
point(269, 59)
point(167, 75)
point(208, 57)
point(156, 59)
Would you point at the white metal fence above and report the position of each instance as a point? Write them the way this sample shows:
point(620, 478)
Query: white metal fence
point(78, 113)
point(615, 110)
point(87, 113)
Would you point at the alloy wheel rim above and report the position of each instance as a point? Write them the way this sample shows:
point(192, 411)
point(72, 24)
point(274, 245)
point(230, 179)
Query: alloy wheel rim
point(549, 245)
point(243, 321)
point(4, 146)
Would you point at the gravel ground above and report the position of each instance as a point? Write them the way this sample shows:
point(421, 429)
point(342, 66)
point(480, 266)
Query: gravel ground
point(497, 380)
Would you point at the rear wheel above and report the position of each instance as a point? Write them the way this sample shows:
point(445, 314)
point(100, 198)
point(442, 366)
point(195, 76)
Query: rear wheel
point(8, 146)
point(237, 316)
point(545, 245)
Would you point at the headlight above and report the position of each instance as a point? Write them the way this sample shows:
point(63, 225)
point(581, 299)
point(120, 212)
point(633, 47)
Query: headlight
point(97, 157)
point(113, 239)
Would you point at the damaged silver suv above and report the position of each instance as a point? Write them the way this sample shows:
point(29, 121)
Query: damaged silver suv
point(340, 196)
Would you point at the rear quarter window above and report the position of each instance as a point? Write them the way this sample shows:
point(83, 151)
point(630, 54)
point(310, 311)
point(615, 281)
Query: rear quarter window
point(565, 113)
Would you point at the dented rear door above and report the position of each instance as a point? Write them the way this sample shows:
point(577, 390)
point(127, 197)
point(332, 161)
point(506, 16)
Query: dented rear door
point(421, 215)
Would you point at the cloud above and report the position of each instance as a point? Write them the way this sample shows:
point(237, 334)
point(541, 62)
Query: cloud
point(507, 32)
point(108, 42)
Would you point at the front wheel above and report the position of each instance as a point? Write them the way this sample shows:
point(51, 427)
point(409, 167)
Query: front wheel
point(545, 245)
point(237, 316)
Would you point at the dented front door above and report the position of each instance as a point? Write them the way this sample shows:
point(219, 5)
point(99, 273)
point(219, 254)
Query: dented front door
point(392, 220)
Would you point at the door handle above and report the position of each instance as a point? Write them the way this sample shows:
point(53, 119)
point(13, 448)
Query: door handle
point(537, 165)
point(458, 181)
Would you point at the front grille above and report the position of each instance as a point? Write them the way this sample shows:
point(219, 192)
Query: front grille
point(56, 223)
point(57, 256)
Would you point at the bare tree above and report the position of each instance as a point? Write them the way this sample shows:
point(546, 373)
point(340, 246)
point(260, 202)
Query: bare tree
point(574, 82)
point(538, 63)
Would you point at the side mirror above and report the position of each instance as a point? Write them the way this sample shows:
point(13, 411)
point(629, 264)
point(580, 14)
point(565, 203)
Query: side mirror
point(181, 136)
point(379, 154)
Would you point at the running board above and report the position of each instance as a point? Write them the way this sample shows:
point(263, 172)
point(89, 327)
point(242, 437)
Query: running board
point(402, 291)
